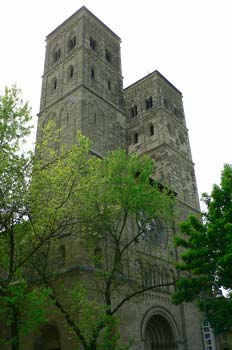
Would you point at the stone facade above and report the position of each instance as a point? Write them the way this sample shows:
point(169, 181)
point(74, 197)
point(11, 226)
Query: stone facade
point(82, 89)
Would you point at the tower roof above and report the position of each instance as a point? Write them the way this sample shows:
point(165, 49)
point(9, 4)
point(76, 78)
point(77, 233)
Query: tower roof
point(83, 9)
point(155, 72)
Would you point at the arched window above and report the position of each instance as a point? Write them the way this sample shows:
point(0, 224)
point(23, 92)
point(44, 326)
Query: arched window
point(56, 55)
point(92, 73)
point(149, 102)
point(54, 83)
point(151, 130)
point(133, 111)
point(108, 55)
point(70, 72)
point(72, 42)
point(61, 256)
point(93, 43)
point(136, 137)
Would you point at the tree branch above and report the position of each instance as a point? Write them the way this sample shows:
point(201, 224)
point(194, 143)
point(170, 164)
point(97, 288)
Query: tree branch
point(70, 322)
point(141, 291)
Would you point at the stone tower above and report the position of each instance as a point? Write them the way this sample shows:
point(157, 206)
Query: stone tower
point(82, 90)
point(156, 127)
point(82, 83)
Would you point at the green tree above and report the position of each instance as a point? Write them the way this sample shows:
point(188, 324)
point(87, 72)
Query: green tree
point(18, 303)
point(110, 206)
point(113, 208)
point(207, 257)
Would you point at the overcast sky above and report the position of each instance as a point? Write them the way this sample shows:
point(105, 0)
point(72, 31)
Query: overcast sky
point(188, 41)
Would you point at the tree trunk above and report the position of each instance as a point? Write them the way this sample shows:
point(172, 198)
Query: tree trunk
point(14, 328)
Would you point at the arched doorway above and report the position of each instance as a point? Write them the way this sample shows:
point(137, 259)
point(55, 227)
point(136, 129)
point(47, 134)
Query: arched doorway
point(159, 331)
point(159, 334)
point(48, 339)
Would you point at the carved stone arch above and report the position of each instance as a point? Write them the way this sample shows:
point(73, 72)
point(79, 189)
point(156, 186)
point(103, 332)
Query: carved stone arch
point(48, 338)
point(159, 330)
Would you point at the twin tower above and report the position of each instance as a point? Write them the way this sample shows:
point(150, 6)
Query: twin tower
point(82, 90)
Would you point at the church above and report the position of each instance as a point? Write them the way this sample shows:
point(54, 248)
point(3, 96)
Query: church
point(82, 90)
